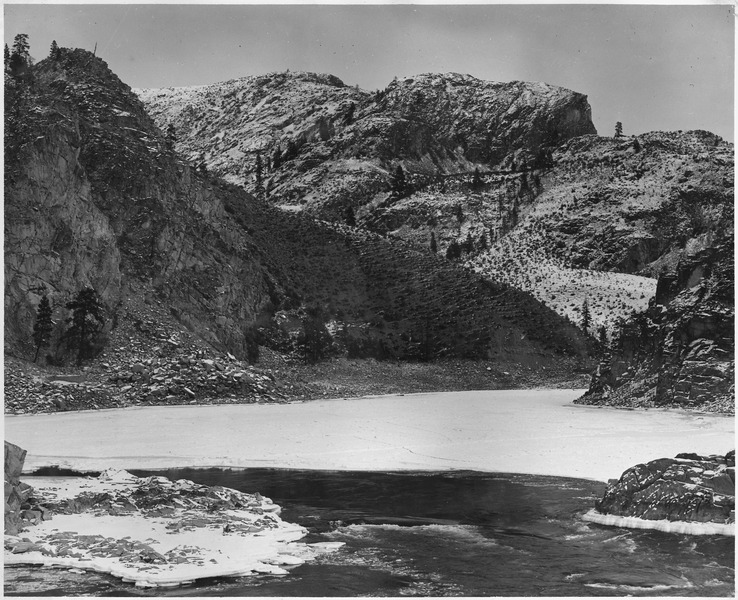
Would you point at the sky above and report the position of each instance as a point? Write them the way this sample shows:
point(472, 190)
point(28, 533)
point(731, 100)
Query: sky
point(667, 67)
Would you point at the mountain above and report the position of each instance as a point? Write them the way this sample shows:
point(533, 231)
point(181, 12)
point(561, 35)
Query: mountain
point(509, 180)
point(189, 266)
point(338, 146)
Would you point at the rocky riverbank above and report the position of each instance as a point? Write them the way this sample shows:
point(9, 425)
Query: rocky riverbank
point(192, 375)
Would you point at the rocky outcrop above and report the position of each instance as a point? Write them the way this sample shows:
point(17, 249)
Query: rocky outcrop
point(686, 488)
point(16, 492)
point(680, 352)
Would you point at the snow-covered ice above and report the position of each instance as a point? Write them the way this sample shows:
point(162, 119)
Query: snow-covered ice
point(684, 527)
point(514, 431)
point(185, 537)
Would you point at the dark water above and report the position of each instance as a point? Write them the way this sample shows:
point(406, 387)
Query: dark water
point(442, 534)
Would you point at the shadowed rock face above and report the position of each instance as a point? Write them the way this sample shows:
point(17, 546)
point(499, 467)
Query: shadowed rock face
point(686, 488)
point(680, 352)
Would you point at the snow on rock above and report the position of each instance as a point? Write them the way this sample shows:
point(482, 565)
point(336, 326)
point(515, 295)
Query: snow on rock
point(689, 490)
point(156, 532)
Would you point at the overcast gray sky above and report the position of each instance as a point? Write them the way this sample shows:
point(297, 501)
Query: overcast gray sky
point(651, 67)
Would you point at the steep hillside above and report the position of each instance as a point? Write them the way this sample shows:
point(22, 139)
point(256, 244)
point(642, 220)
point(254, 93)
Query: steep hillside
point(597, 222)
point(547, 211)
point(337, 146)
point(681, 351)
point(95, 197)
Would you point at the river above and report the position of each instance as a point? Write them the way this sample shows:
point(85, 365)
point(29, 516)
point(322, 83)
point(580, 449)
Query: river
point(468, 493)
point(440, 534)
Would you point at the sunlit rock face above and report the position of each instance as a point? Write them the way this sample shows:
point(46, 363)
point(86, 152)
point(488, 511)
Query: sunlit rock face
point(339, 145)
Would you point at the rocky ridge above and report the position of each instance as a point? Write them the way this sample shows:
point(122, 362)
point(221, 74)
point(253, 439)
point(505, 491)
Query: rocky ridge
point(341, 144)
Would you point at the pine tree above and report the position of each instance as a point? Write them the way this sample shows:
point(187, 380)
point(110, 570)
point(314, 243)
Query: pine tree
point(636, 145)
point(276, 159)
point(21, 46)
point(54, 52)
point(20, 59)
point(170, 137)
point(43, 327)
point(398, 185)
point(453, 251)
point(477, 180)
point(349, 118)
point(350, 216)
point(618, 129)
point(603, 335)
point(514, 212)
point(291, 152)
point(315, 340)
point(87, 320)
point(586, 316)
point(7, 56)
point(259, 180)
point(468, 245)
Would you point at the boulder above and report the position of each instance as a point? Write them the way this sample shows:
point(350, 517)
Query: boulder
point(688, 487)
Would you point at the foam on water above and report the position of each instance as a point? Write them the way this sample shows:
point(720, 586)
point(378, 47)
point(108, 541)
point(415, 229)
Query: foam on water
point(634, 589)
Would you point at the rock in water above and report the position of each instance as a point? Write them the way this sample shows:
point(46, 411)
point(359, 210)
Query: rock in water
point(686, 488)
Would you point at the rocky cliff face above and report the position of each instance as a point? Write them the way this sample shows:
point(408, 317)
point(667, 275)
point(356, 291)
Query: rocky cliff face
point(681, 351)
point(98, 198)
point(341, 144)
